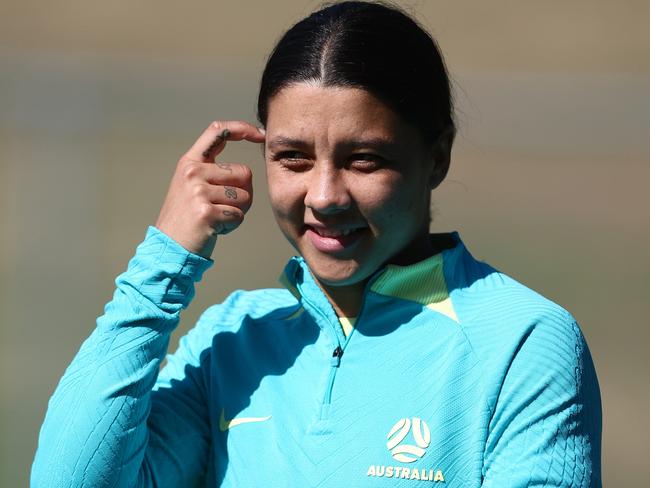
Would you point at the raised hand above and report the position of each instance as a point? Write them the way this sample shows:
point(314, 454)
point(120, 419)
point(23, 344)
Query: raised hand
point(207, 197)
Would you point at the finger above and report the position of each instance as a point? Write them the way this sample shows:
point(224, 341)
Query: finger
point(229, 195)
point(213, 140)
point(218, 174)
point(229, 218)
point(235, 174)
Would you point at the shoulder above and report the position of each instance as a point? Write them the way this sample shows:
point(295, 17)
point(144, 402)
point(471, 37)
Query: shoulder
point(499, 315)
point(508, 305)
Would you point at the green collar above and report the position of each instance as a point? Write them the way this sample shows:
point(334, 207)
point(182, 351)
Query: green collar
point(423, 282)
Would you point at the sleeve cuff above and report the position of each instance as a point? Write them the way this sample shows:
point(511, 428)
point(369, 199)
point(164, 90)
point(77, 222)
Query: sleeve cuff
point(164, 272)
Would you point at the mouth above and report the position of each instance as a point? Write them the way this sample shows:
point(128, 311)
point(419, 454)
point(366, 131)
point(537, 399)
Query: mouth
point(333, 239)
point(323, 232)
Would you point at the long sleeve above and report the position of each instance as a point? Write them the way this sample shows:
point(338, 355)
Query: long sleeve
point(96, 430)
point(546, 427)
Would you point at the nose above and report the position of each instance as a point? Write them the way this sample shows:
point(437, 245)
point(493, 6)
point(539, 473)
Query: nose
point(327, 190)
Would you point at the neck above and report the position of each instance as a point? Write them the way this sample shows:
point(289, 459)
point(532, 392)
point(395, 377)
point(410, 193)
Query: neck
point(346, 300)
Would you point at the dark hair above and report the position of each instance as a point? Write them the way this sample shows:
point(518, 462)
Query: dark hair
point(365, 45)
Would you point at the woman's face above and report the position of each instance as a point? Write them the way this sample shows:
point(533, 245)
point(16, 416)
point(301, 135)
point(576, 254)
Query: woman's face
point(349, 181)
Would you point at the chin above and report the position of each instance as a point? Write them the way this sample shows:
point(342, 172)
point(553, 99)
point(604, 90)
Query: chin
point(337, 274)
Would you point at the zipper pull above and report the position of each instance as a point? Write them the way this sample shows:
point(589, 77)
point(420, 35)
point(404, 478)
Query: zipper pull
point(336, 356)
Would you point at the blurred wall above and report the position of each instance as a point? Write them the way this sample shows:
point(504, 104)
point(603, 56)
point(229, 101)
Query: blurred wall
point(548, 182)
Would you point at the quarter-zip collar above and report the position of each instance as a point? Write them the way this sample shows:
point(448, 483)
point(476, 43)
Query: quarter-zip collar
point(299, 281)
point(425, 282)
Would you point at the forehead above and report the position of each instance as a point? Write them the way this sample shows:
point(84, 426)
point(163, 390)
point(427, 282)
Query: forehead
point(312, 111)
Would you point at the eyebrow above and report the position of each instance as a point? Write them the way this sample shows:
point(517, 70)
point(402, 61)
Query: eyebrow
point(352, 144)
point(286, 141)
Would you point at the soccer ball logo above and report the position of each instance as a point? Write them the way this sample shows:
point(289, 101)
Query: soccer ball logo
point(407, 453)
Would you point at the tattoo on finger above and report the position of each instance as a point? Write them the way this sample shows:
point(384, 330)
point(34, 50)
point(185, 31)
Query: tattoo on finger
point(225, 167)
point(229, 213)
point(216, 143)
point(230, 192)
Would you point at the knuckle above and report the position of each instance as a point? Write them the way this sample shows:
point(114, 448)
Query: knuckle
point(205, 212)
point(191, 171)
point(199, 191)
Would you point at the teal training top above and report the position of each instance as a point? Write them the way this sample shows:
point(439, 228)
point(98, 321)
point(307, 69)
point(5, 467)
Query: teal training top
point(453, 375)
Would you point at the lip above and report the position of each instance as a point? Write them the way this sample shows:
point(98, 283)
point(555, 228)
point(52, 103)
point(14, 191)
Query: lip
point(332, 240)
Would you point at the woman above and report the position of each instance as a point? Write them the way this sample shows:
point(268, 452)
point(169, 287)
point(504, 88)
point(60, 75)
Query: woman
point(391, 353)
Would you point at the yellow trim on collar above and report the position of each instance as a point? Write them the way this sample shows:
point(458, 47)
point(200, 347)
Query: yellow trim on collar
point(422, 282)
point(347, 324)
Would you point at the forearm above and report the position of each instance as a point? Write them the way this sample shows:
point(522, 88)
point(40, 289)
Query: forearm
point(95, 431)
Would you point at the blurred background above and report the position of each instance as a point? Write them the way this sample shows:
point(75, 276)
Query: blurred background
point(549, 178)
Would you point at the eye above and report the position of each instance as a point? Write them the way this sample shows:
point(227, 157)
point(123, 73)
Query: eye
point(293, 160)
point(367, 162)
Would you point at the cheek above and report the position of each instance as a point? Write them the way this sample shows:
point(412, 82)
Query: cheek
point(274, 185)
point(386, 202)
point(279, 205)
point(285, 198)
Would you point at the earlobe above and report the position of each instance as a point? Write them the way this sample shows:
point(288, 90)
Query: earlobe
point(441, 155)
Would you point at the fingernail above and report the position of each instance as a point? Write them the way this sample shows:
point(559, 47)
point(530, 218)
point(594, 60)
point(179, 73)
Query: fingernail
point(262, 130)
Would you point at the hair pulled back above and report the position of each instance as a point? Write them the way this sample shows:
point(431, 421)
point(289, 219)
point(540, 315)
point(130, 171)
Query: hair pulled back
point(371, 46)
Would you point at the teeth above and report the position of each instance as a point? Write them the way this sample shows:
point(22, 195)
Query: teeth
point(334, 233)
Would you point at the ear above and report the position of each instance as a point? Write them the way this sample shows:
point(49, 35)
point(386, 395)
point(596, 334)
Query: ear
point(441, 154)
